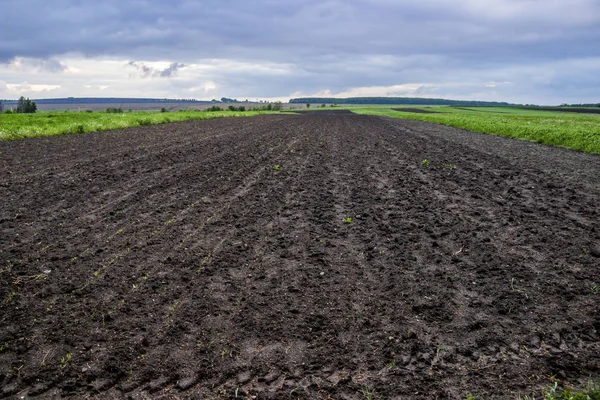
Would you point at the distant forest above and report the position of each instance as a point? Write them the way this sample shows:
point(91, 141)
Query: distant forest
point(581, 105)
point(398, 100)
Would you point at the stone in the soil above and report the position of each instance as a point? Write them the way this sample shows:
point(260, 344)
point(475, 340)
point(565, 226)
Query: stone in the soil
point(244, 377)
point(533, 341)
point(186, 383)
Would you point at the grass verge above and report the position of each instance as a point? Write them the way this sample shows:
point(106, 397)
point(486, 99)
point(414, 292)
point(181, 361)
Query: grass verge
point(22, 126)
point(591, 392)
point(571, 130)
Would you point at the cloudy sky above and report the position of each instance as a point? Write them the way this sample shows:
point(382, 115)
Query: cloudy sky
point(526, 51)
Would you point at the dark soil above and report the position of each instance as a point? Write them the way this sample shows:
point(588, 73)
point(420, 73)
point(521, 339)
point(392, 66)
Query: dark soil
point(474, 109)
point(324, 111)
point(580, 110)
point(415, 110)
point(175, 262)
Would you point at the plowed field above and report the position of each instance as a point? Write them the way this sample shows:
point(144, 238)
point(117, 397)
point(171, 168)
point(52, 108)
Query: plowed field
point(211, 260)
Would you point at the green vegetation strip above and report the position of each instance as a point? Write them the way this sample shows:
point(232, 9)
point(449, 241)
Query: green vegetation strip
point(21, 126)
point(571, 130)
point(554, 392)
point(591, 392)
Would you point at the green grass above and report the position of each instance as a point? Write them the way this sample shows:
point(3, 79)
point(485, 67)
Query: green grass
point(591, 392)
point(571, 130)
point(21, 126)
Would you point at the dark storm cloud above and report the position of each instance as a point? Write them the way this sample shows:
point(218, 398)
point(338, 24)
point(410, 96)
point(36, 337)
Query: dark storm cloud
point(51, 65)
point(46, 65)
point(280, 31)
point(147, 71)
point(171, 70)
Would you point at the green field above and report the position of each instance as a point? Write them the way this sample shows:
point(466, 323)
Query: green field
point(572, 130)
point(21, 126)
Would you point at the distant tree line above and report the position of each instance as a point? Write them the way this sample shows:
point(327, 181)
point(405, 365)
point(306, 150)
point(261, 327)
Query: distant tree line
point(593, 109)
point(229, 100)
point(23, 106)
point(277, 106)
point(26, 106)
point(397, 100)
point(585, 105)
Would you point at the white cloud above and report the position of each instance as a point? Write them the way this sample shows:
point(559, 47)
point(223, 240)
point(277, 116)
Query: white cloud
point(19, 89)
point(4, 90)
point(28, 90)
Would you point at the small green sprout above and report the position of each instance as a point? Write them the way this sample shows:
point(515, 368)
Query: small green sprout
point(369, 394)
point(348, 220)
point(425, 162)
point(64, 360)
point(276, 168)
point(10, 297)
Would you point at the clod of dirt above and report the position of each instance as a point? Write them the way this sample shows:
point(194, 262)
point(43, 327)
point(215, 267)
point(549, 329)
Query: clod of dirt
point(271, 376)
point(38, 388)
point(158, 384)
point(533, 341)
point(102, 384)
point(244, 377)
point(9, 389)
